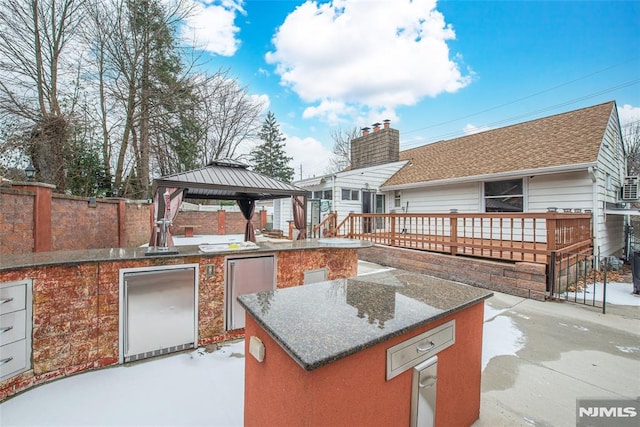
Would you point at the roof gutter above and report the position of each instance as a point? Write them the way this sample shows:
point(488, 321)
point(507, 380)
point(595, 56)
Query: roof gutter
point(575, 167)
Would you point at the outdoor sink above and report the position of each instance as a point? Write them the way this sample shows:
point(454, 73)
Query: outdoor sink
point(337, 241)
point(233, 246)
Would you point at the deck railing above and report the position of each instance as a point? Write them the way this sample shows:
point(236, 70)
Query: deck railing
point(508, 236)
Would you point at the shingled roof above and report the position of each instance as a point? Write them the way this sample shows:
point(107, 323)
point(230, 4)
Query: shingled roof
point(563, 139)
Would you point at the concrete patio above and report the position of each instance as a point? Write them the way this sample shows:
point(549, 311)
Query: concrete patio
point(565, 352)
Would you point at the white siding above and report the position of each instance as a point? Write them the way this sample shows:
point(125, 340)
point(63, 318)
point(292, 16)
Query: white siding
point(609, 229)
point(564, 191)
point(463, 197)
point(369, 179)
point(611, 236)
point(611, 158)
point(282, 214)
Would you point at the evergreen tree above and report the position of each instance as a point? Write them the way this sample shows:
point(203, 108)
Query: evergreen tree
point(269, 157)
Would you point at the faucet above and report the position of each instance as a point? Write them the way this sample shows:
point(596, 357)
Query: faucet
point(163, 224)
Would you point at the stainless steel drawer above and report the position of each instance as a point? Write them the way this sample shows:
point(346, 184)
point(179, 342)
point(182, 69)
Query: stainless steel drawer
point(13, 298)
point(409, 353)
point(13, 358)
point(13, 327)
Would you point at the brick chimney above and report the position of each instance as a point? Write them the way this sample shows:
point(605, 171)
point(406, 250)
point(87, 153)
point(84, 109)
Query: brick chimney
point(375, 148)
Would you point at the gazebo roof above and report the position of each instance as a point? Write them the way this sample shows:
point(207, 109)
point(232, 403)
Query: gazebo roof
point(228, 180)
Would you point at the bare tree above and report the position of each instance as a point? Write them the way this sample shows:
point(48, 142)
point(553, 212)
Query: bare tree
point(228, 116)
point(120, 98)
point(140, 79)
point(35, 39)
point(631, 138)
point(341, 157)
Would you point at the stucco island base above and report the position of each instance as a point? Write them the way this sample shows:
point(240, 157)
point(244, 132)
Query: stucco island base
point(354, 390)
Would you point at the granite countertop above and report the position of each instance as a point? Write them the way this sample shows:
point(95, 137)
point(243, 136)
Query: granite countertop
point(10, 262)
point(320, 323)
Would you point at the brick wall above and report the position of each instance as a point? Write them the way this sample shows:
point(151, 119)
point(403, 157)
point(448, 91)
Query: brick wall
point(137, 224)
point(375, 148)
point(522, 279)
point(16, 221)
point(76, 225)
point(203, 222)
point(111, 223)
point(214, 222)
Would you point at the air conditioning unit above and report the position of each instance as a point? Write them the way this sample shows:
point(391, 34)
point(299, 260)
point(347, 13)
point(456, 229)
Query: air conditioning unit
point(630, 189)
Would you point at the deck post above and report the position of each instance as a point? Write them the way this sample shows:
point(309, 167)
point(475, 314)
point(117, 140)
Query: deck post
point(453, 226)
point(351, 226)
point(392, 218)
point(551, 235)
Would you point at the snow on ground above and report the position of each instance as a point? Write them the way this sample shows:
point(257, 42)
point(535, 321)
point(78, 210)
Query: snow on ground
point(500, 335)
point(617, 293)
point(195, 389)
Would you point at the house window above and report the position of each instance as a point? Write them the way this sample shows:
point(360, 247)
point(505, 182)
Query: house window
point(503, 196)
point(349, 194)
point(323, 194)
point(609, 182)
point(397, 201)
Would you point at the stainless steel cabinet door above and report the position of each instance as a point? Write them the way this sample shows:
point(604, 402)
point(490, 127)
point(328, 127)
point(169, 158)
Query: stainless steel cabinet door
point(160, 310)
point(246, 276)
point(423, 393)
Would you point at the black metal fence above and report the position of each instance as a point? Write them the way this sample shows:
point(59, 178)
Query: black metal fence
point(580, 278)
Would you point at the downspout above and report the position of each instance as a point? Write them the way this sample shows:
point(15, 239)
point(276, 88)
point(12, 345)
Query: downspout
point(598, 210)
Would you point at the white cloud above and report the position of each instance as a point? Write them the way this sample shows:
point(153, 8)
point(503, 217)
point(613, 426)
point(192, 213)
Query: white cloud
point(470, 129)
point(347, 55)
point(263, 100)
point(210, 26)
point(628, 114)
point(309, 153)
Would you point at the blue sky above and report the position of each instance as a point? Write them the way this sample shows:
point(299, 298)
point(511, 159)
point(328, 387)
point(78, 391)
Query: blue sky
point(436, 69)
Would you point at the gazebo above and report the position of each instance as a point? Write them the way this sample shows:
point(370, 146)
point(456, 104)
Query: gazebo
point(224, 180)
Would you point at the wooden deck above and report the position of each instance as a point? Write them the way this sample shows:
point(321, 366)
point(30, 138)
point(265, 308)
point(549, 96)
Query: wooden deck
point(483, 248)
point(521, 237)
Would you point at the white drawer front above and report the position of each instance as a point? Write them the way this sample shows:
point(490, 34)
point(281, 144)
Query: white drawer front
point(13, 327)
point(411, 352)
point(13, 358)
point(13, 298)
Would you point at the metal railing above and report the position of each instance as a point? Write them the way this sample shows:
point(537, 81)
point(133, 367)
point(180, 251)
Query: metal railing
point(527, 237)
point(579, 278)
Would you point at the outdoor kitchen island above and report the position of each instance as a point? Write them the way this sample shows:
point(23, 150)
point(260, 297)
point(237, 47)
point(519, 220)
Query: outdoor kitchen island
point(66, 311)
point(364, 350)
